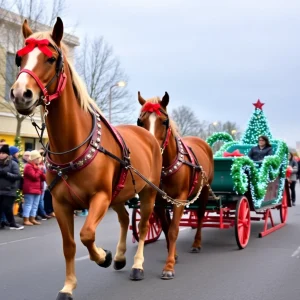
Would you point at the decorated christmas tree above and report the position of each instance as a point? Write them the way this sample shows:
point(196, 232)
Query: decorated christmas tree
point(257, 126)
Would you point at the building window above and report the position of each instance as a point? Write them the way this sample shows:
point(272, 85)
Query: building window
point(29, 144)
point(10, 74)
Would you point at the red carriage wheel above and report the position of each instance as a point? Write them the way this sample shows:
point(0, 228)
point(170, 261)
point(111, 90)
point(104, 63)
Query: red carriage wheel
point(242, 222)
point(284, 207)
point(155, 228)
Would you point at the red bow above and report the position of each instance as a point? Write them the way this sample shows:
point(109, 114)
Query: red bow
point(233, 154)
point(32, 43)
point(152, 107)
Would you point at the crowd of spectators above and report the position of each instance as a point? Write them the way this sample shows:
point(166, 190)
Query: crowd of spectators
point(36, 202)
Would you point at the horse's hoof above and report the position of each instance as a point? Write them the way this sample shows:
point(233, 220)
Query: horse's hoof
point(119, 265)
point(195, 250)
point(64, 296)
point(176, 259)
point(108, 260)
point(137, 274)
point(167, 275)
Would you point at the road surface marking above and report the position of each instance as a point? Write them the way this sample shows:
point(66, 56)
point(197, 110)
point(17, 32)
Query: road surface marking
point(16, 241)
point(82, 258)
point(296, 253)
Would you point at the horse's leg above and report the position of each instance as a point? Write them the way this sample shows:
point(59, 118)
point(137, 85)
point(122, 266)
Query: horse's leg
point(99, 204)
point(147, 197)
point(160, 212)
point(65, 219)
point(123, 216)
point(168, 271)
point(196, 247)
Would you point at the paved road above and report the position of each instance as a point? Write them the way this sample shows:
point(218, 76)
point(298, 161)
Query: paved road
point(32, 265)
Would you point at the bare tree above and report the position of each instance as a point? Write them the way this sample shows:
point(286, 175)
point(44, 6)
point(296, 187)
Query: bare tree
point(101, 70)
point(231, 128)
point(12, 40)
point(188, 123)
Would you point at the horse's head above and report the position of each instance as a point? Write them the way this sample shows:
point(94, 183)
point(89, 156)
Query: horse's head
point(41, 77)
point(154, 118)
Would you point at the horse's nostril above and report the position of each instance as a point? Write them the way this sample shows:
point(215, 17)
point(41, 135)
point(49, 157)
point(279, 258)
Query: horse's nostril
point(28, 94)
point(12, 96)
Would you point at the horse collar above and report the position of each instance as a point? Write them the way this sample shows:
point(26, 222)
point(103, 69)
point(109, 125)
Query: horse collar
point(90, 153)
point(175, 166)
point(85, 158)
point(183, 150)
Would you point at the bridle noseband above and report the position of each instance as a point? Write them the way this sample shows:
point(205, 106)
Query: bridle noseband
point(43, 45)
point(155, 108)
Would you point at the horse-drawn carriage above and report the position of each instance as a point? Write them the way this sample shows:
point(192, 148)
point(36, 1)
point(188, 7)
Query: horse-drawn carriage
point(91, 164)
point(233, 206)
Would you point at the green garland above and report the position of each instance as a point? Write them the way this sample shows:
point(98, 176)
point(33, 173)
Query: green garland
point(272, 167)
point(219, 137)
point(18, 144)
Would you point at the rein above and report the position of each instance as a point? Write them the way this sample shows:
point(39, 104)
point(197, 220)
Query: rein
point(47, 147)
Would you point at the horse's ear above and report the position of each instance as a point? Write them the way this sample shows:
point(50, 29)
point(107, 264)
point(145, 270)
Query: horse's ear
point(26, 29)
point(141, 99)
point(58, 31)
point(165, 100)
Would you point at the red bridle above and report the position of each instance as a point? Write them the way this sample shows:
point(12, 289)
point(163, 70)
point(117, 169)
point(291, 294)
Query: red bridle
point(156, 108)
point(43, 45)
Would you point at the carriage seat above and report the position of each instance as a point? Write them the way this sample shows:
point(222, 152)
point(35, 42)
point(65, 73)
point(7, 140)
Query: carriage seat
point(244, 149)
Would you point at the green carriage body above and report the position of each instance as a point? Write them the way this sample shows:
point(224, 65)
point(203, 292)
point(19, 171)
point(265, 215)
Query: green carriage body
point(223, 184)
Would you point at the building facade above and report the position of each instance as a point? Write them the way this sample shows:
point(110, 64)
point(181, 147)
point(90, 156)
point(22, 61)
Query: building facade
point(11, 40)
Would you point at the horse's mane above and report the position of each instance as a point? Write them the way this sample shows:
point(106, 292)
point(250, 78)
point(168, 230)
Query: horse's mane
point(85, 101)
point(173, 125)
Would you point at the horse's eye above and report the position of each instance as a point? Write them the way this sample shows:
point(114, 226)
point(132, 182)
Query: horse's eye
point(51, 60)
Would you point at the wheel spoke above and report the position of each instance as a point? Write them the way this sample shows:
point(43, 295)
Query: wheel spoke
point(246, 212)
point(152, 231)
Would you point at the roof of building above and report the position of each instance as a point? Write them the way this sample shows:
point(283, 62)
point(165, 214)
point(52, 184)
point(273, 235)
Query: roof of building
point(16, 19)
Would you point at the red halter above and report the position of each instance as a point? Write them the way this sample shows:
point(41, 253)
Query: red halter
point(62, 78)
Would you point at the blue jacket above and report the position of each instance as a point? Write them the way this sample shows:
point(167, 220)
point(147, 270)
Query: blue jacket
point(258, 154)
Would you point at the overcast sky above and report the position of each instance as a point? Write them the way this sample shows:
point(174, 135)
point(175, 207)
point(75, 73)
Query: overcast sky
point(217, 57)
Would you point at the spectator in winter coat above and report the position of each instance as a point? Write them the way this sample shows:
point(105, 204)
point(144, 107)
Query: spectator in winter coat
point(293, 178)
point(9, 177)
point(26, 156)
point(298, 174)
point(263, 149)
point(34, 178)
point(14, 153)
point(42, 215)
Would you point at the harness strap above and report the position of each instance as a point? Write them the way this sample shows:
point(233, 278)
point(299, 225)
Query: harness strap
point(54, 182)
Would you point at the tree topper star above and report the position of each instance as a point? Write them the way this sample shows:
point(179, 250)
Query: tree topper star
point(258, 104)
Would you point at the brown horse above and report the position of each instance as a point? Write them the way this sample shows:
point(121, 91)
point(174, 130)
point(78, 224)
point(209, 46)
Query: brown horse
point(88, 160)
point(187, 168)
